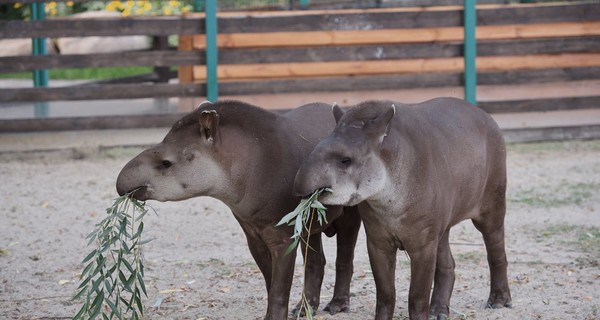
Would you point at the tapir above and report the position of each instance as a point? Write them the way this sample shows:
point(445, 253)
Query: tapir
point(247, 157)
point(416, 170)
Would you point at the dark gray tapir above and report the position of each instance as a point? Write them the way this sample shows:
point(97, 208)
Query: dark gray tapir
point(248, 157)
point(415, 171)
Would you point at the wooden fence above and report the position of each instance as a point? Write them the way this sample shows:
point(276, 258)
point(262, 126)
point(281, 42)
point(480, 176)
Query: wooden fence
point(325, 50)
point(394, 48)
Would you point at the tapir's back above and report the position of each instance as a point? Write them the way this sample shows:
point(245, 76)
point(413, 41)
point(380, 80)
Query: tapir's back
point(309, 124)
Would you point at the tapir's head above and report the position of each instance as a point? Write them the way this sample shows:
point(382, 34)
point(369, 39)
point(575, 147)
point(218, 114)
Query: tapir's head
point(348, 161)
point(182, 166)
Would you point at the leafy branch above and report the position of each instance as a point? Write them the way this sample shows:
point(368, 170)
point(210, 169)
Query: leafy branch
point(302, 219)
point(112, 281)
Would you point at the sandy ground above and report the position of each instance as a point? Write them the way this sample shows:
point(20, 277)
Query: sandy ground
point(199, 266)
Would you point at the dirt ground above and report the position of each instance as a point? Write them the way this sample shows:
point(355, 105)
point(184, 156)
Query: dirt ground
point(200, 268)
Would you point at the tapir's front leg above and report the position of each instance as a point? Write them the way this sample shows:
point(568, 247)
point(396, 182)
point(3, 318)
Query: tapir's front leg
point(282, 275)
point(422, 271)
point(347, 227)
point(313, 275)
point(383, 263)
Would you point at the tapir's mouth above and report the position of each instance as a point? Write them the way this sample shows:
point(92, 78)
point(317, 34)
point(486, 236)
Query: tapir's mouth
point(139, 193)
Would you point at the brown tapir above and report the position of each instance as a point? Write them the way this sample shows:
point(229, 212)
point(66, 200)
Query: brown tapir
point(248, 157)
point(415, 171)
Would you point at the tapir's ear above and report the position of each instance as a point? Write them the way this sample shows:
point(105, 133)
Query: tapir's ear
point(337, 112)
point(209, 122)
point(380, 124)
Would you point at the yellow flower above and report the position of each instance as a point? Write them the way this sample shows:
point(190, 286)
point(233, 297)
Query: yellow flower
point(69, 3)
point(167, 11)
point(147, 6)
point(174, 3)
point(51, 5)
point(129, 4)
point(53, 12)
point(185, 9)
point(112, 6)
point(127, 12)
point(17, 5)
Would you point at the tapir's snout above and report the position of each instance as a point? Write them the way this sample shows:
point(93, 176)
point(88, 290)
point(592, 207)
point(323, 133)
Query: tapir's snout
point(129, 181)
point(307, 181)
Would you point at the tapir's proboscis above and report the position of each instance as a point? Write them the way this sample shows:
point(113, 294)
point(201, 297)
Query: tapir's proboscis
point(415, 171)
point(248, 157)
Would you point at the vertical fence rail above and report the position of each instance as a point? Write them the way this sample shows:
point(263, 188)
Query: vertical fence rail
point(38, 46)
point(212, 88)
point(470, 51)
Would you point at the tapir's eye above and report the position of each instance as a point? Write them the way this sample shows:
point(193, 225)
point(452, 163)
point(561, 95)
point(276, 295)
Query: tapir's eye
point(346, 161)
point(166, 164)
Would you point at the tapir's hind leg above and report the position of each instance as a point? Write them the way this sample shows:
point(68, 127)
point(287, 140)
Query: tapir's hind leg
point(491, 225)
point(439, 308)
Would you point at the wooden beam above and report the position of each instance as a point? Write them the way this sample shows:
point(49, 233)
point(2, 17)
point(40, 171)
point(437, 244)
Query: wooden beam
point(551, 133)
point(421, 16)
point(405, 81)
point(405, 66)
point(158, 58)
point(54, 28)
point(406, 51)
point(532, 105)
point(89, 123)
point(101, 92)
point(393, 36)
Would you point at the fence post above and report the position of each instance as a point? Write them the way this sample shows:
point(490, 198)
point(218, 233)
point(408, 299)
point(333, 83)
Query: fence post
point(304, 4)
point(212, 88)
point(38, 46)
point(470, 51)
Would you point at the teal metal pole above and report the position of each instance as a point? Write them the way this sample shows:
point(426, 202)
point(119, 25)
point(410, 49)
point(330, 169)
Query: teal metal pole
point(470, 51)
point(304, 3)
point(40, 77)
point(198, 5)
point(212, 85)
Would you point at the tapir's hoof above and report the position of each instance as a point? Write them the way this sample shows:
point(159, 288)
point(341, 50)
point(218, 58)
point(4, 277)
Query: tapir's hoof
point(337, 305)
point(499, 304)
point(440, 316)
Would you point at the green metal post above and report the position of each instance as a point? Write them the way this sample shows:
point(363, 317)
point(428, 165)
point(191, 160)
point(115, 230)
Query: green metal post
point(40, 77)
point(470, 51)
point(212, 86)
point(199, 5)
point(304, 4)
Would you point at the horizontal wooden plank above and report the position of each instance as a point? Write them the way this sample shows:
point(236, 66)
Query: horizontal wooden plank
point(127, 26)
point(158, 58)
point(555, 104)
point(407, 51)
point(404, 81)
point(404, 66)
point(420, 16)
point(393, 36)
point(102, 92)
point(551, 133)
point(89, 123)
point(297, 21)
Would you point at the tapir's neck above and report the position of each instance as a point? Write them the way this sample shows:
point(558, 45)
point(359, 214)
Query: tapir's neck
point(253, 165)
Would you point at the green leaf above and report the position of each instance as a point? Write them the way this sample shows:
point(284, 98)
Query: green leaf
point(81, 312)
point(84, 282)
point(292, 246)
point(142, 285)
point(288, 217)
point(80, 293)
point(114, 308)
point(89, 256)
point(97, 305)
